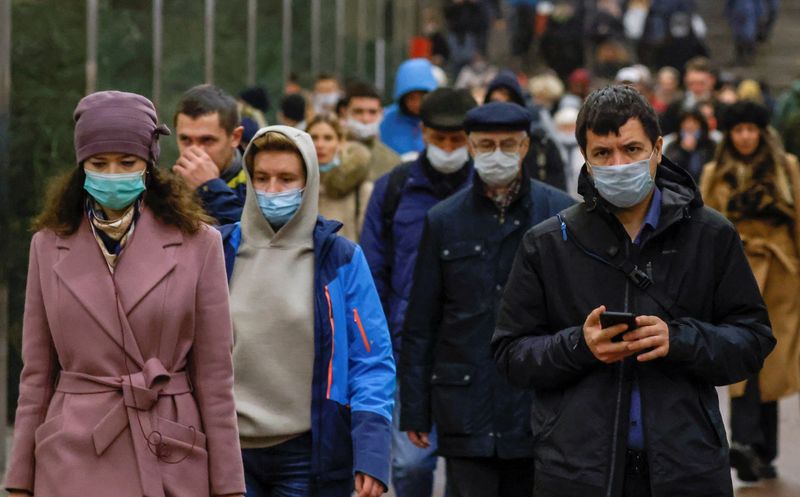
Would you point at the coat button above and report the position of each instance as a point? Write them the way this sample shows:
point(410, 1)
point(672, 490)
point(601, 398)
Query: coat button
point(516, 222)
point(477, 248)
point(445, 252)
point(491, 434)
point(499, 287)
point(466, 377)
point(433, 376)
point(499, 435)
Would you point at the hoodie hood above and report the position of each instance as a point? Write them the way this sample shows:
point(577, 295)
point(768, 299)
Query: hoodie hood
point(299, 230)
point(414, 75)
point(508, 80)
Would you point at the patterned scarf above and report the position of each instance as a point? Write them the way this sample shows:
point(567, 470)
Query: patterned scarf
point(505, 199)
point(111, 235)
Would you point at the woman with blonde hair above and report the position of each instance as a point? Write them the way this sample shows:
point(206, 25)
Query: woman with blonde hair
point(756, 185)
point(344, 171)
point(127, 387)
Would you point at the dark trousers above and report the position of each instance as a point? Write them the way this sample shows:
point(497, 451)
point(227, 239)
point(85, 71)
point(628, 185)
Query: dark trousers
point(280, 471)
point(489, 477)
point(755, 423)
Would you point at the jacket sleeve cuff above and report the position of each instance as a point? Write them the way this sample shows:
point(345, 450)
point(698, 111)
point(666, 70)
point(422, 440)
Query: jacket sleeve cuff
point(211, 187)
point(577, 342)
point(372, 442)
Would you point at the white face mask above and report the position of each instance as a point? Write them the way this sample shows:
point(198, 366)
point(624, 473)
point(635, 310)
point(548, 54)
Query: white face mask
point(361, 131)
point(325, 102)
point(624, 185)
point(497, 168)
point(447, 163)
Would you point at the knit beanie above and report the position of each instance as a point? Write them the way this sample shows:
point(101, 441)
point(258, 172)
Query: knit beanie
point(117, 122)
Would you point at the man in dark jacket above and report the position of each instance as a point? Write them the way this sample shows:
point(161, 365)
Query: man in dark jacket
point(543, 160)
point(390, 239)
point(209, 134)
point(638, 416)
point(464, 259)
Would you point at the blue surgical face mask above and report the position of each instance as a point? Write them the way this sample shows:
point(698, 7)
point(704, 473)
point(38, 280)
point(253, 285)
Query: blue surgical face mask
point(624, 185)
point(114, 191)
point(330, 166)
point(279, 207)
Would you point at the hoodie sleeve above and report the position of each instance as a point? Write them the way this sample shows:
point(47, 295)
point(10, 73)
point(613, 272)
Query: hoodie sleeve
point(371, 372)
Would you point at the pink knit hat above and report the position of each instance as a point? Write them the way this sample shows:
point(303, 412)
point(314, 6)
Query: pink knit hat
point(117, 122)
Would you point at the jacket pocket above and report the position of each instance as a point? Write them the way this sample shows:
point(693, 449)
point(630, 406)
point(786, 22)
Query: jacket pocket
point(713, 416)
point(545, 411)
point(452, 402)
point(179, 437)
point(48, 430)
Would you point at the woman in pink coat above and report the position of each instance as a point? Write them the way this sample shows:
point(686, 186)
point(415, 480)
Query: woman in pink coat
point(127, 385)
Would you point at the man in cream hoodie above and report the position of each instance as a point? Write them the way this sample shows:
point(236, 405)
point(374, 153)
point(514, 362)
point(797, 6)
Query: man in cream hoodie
point(313, 360)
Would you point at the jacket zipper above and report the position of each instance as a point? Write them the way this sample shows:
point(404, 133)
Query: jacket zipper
point(333, 342)
point(618, 407)
point(357, 319)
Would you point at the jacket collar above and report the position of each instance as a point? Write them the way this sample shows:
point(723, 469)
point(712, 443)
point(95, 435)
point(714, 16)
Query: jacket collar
point(141, 266)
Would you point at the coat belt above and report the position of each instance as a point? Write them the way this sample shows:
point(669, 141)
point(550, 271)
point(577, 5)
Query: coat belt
point(140, 393)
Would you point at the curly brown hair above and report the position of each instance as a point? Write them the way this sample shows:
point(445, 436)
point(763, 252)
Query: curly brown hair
point(167, 196)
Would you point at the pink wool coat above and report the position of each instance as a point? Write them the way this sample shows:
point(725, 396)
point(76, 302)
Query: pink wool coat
point(135, 403)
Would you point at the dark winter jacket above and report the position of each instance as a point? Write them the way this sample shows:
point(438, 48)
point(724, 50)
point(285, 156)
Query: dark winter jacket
point(223, 197)
point(694, 161)
point(699, 283)
point(392, 250)
point(447, 373)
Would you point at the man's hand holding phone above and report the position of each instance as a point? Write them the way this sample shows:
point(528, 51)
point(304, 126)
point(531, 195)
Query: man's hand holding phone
point(599, 339)
point(650, 340)
point(612, 337)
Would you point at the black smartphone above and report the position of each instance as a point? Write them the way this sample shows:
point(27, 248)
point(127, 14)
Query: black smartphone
point(609, 319)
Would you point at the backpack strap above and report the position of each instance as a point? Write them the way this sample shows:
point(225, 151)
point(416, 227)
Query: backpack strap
point(391, 200)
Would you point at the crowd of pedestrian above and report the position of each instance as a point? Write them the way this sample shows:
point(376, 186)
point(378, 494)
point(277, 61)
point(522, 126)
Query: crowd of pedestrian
point(539, 275)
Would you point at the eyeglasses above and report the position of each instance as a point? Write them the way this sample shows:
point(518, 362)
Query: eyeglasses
point(508, 146)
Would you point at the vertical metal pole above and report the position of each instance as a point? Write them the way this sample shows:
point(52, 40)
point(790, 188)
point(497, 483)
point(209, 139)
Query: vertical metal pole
point(91, 45)
point(287, 39)
point(158, 44)
point(252, 15)
point(361, 37)
point(5, 207)
point(209, 32)
point(315, 36)
point(380, 46)
point(340, 33)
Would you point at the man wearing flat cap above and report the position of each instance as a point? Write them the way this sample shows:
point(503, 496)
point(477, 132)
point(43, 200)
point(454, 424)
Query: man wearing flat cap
point(390, 239)
point(447, 375)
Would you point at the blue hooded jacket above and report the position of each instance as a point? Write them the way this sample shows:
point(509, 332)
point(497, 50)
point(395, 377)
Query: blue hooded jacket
point(400, 131)
point(352, 395)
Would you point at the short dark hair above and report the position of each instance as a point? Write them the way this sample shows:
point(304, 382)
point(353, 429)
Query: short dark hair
point(202, 100)
point(361, 90)
point(608, 109)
